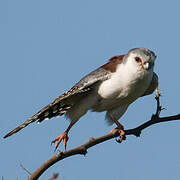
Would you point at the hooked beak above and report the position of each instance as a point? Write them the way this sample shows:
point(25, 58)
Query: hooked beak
point(147, 65)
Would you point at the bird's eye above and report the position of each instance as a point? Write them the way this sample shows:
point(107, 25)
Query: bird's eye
point(138, 59)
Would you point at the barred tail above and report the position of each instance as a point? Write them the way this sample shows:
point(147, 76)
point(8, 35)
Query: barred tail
point(51, 110)
point(26, 123)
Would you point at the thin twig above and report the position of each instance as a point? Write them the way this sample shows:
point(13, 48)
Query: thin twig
point(25, 169)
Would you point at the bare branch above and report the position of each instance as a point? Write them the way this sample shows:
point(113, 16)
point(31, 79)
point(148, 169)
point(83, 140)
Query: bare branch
point(82, 150)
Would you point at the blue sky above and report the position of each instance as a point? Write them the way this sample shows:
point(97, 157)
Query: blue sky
point(47, 46)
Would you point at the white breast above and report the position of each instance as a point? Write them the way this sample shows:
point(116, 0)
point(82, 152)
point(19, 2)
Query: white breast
point(124, 86)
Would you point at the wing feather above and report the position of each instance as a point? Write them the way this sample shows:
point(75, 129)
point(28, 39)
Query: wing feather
point(153, 85)
point(64, 102)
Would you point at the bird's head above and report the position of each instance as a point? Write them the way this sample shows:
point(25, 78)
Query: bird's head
point(142, 58)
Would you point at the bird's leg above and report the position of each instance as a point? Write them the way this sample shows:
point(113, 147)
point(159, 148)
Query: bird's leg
point(121, 131)
point(157, 93)
point(63, 136)
point(159, 108)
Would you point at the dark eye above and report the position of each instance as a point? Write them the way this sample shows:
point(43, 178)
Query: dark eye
point(138, 59)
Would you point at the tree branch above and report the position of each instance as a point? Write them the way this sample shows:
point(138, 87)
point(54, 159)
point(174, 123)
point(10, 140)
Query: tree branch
point(82, 150)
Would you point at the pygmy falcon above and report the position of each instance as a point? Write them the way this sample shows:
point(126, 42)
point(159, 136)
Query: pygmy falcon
point(111, 88)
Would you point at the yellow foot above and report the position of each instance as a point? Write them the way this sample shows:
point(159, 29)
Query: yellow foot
point(157, 93)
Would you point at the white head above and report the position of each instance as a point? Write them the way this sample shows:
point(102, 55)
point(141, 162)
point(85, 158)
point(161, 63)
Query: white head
point(141, 58)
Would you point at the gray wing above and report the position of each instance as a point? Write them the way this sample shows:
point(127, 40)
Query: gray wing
point(64, 102)
point(153, 85)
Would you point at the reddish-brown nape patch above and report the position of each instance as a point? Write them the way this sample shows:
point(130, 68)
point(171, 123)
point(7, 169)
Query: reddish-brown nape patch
point(113, 62)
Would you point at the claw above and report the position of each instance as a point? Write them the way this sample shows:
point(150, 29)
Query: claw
point(63, 137)
point(120, 130)
point(122, 136)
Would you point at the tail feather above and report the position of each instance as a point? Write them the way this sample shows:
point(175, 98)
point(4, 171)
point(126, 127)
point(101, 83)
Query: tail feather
point(46, 113)
point(26, 123)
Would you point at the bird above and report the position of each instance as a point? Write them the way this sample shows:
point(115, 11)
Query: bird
point(111, 88)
